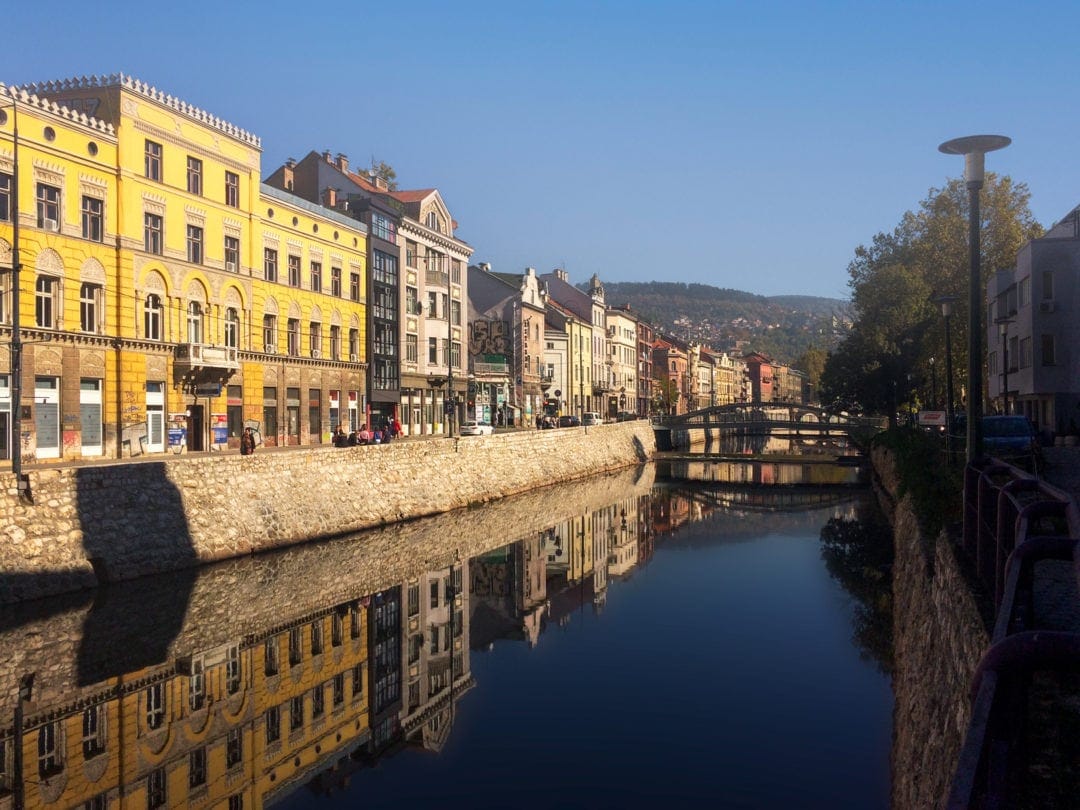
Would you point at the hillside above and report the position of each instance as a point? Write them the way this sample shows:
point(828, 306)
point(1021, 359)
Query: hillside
point(781, 326)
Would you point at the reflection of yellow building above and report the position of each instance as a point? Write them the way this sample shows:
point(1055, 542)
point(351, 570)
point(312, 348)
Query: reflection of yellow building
point(167, 287)
point(232, 726)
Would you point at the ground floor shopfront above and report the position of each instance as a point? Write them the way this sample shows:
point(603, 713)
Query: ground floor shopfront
point(88, 398)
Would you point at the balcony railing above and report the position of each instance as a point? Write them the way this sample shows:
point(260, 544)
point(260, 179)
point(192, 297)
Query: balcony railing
point(437, 278)
point(195, 356)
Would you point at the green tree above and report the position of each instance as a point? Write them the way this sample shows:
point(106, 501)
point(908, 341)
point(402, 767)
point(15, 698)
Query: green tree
point(812, 363)
point(386, 172)
point(897, 326)
point(665, 395)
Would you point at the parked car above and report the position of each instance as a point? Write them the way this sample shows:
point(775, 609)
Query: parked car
point(625, 416)
point(471, 428)
point(569, 421)
point(590, 418)
point(1011, 438)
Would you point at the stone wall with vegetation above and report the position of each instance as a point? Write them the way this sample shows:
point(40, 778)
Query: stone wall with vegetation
point(114, 521)
point(938, 639)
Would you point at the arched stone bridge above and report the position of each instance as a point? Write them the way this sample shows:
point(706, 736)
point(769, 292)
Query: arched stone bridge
point(792, 419)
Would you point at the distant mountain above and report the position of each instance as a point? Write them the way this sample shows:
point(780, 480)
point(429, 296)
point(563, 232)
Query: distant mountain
point(781, 326)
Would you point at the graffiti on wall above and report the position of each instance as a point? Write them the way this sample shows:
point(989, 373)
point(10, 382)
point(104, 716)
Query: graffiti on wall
point(489, 337)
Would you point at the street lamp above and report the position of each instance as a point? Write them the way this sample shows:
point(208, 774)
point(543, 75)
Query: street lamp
point(946, 303)
point(933, 382)
point(22, 484)
point(1003, 330)
point(974, 148)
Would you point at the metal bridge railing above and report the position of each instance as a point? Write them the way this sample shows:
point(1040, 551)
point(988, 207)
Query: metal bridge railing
point(1012, 520)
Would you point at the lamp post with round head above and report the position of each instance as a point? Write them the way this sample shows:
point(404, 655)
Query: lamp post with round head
point(974, 149)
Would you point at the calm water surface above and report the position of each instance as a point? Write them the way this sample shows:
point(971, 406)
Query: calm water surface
point(665, 638)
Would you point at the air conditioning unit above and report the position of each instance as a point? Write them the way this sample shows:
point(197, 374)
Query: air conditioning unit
point(314, 354)
point(230, 266)
point(270, 348)
point(354, 358)
point(49, 225)
point(1046, 306)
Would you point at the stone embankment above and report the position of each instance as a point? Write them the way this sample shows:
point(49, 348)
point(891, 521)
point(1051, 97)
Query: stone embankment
point(938, 640)
point(114, 521)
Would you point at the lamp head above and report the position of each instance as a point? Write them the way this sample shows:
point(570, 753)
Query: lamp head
point(973, 147)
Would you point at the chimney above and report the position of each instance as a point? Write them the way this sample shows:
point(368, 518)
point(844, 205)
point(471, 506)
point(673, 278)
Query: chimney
point(378, 182)
point(562, 275)
point(342, 162)
point(330, 197)
point(288, 176)
point(328, 157)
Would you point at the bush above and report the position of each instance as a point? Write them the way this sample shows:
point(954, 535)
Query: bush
point(935, 486)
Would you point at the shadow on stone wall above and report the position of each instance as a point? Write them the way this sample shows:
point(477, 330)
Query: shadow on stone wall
point(120, 633)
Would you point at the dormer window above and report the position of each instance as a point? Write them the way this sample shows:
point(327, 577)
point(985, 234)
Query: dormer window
point(433, 221)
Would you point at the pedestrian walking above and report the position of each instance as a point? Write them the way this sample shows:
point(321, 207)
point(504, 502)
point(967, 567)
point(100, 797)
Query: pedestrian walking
point(247, 442)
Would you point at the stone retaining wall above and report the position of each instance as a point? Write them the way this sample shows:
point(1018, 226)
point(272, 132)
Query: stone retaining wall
point(938, 639)
point(116, 521)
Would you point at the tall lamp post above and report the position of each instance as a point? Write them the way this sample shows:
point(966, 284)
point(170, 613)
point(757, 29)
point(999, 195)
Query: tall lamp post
point(16, 337)
point(946, 303)
point(1003, 329)
point(974, 149)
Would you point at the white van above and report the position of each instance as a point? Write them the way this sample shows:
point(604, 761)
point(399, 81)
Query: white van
point(590, 418)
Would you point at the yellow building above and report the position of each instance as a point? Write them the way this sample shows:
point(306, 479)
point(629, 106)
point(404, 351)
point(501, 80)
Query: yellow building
point(223, 303)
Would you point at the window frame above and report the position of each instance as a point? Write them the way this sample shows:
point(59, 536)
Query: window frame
point(232, 189)
point(153, 160)
point(194, 176)
point(93, 218)
point(46, 204)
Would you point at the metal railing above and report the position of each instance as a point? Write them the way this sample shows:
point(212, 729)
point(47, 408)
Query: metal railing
point(1012, 520)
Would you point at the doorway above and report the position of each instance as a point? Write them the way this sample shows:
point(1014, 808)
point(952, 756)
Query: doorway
point(196, 429)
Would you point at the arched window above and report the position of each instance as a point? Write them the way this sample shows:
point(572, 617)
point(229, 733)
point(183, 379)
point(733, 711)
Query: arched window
point(195, 322)
point(152, 317)
point(232, 328)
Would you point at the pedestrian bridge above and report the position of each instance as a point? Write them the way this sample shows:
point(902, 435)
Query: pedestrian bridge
point(777, 419)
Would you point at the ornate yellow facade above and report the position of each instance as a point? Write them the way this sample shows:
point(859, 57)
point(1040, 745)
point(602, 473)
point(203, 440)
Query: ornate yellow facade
point(173, 299)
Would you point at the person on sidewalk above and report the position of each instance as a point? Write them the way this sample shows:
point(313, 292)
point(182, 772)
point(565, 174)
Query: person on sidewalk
point(247, 442)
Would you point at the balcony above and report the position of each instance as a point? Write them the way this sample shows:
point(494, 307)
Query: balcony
point(437, 278)
point(199, 356)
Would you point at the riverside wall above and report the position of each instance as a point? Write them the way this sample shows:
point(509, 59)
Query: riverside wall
point(115, 521)
point(938, 640)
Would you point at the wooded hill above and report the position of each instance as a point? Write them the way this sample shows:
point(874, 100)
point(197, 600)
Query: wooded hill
point(781, 326)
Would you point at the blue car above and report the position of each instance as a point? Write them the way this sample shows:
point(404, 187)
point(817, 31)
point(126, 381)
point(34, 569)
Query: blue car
point(1011, 438)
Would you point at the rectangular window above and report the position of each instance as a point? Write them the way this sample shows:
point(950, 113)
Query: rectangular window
point(48, 207)
point(1049, 354)
point(416, 644)
point(410, 253)
point(196, 685)
point(339, 690)
point(337, 630)
point(432, 305)
point(270, 264)
point(316, 638)
point(271, 658)
point(234, 747)
point(411, 301)
point(194, 176)
point(412, 348)
point(270, 334)
point(45, 304)
point(232, 254)
point(93, 731)
point(49, 751)
point(294, 271)
point(93, 211)
point(296, 713)
point(152, 160)
point(354, 621)
point(357, 681)
point(318, 702)
point(232, 669)
point(194, 244)
point(455, 271)
point(335, 342)
point(383, 228)
point(316, 276)
point(433, 351)
point(293, 337)
point(354, 345)
point(232, 190)
point(197, 767)
point(1025, 352)
point(5, 197)
point(354, 286)
point(435, 593)
point(155, 705)
point(155, 789)
point(414, 599)
point(152, 233)
point(89, 307)
point(272, 720)
point(1048, 285)
point(296, 650)
point(455, 313)
point(315, 339)
point(236, 801)
point(335, 281)
point(384, 268)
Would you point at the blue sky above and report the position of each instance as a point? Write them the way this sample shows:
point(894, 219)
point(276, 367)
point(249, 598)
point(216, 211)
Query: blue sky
point(750, 145)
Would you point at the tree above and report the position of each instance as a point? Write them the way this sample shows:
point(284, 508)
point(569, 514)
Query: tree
point(897, 326)
point(385, 171)
point(812, 363)
point(665, 395)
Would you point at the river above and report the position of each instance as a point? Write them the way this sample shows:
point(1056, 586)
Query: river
point(691, 633)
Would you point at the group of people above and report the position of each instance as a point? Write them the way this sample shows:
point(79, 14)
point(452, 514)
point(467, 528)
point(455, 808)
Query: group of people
point(391, 429)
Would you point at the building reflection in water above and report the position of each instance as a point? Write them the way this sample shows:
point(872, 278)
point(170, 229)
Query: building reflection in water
point(310, 699)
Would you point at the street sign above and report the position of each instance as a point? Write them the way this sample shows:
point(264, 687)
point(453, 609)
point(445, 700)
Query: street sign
point(208, 390)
